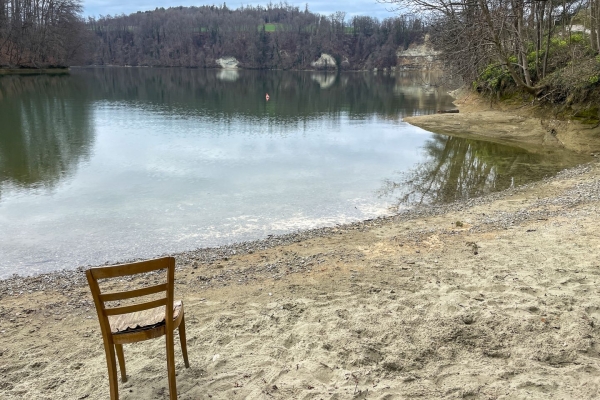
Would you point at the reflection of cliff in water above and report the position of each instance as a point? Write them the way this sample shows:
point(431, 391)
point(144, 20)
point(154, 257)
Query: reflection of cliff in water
point(324, 79)
point(459, 169)
point(294, 95)
point(423, 89)
point(229, 75)
point(45, 129)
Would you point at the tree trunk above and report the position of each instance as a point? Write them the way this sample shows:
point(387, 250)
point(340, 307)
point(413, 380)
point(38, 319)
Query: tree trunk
point(595, 24)
point(548, 37)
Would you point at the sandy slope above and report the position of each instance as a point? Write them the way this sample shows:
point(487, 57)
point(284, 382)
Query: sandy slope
point(505, 306)
point(522, 125)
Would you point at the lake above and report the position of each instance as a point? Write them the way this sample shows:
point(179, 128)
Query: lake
point(108, 164)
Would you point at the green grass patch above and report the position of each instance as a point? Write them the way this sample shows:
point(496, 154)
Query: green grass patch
point(271, 27)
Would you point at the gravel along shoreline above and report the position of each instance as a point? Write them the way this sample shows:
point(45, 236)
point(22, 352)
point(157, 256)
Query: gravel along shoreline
point(585, 191)
point(492, 298)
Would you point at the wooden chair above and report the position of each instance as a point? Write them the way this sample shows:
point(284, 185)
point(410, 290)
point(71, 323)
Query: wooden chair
point(139, 321)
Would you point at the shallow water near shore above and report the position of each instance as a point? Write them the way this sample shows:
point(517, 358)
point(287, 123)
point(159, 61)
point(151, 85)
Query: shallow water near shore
point(110, 164)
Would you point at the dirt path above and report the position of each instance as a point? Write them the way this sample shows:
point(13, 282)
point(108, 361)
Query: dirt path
point(493, 298)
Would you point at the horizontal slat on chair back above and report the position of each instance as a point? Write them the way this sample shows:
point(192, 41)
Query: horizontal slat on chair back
point(131, 269)
point(133, 293)
point(136, 307)
point(100, 300)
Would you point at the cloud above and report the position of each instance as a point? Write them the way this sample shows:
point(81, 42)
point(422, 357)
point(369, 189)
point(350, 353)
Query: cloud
point(325, 7)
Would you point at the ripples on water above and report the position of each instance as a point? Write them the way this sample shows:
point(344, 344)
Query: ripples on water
point(112, 164)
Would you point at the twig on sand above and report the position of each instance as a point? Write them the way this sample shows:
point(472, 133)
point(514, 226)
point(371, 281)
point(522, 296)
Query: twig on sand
point(356, 381)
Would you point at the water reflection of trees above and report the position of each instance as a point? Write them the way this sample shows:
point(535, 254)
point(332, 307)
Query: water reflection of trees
point(459, 169)
point(45, 129)
point(294, 95)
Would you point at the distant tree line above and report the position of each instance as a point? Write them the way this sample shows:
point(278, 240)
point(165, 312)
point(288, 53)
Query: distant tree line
point(41, 33)
point(52, 33)
point(275, 36)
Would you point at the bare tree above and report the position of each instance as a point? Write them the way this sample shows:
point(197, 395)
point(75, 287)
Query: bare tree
point(594, 10)
point(276, 36)
point(40, 33)
point(509, 33)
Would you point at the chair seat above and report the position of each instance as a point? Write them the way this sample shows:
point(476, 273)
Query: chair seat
point(142, 320)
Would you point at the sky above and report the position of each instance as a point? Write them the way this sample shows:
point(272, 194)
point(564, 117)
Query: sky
point(371, 8)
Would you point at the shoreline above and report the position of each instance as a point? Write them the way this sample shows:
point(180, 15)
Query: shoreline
point(209, 255)
point(517, 124)
point(471, 108)
point(219, 68)
point(490, 297)
point(34, 71)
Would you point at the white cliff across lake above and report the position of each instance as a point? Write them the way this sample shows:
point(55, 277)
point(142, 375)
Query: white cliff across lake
point(325, 61)
point(228, 62)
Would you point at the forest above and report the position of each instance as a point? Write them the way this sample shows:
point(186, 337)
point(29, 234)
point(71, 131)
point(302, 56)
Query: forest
point(46, 33)
point(41, 33)
point(271, 37)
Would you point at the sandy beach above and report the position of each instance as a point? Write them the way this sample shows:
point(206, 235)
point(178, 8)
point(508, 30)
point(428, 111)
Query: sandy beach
point(492, 298)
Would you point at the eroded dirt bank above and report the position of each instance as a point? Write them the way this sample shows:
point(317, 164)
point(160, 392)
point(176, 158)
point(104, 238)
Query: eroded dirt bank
point(494, 298)
point(523, 125)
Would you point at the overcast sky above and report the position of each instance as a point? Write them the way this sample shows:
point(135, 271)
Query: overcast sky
point(325, 7)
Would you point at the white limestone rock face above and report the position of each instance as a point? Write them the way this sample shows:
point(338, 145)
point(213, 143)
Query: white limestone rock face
point(325, 61)
point(228, 62)
point(418, 56)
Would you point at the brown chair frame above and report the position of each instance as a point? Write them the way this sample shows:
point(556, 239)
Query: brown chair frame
point(115, 341)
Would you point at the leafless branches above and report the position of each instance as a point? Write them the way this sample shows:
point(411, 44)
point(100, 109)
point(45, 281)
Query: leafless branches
point(39, 33)
point(515, 34)
point(277, 36)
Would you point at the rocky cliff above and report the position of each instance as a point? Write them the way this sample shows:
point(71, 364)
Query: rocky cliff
point(418, 56)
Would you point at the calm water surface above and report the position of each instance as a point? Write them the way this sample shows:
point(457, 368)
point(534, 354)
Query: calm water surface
point(112, 164)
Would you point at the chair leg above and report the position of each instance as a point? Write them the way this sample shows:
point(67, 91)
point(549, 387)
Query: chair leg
point(112, 369)
point(183, 341)
point(121, 358)
point(171, 365)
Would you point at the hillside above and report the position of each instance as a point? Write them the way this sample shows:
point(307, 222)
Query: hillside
point(272, 37)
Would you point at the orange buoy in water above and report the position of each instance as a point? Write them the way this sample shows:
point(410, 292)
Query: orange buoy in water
point(267, 97)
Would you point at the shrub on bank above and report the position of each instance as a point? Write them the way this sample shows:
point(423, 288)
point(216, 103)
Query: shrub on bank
point(570, 78)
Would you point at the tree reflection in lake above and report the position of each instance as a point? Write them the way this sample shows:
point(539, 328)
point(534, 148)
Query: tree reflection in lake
point(460, 169)
point(293, 95)
point(47, 120)
point(45, 129)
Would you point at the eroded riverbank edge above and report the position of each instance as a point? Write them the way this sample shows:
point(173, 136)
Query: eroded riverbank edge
point(524, 125)
point(494, 297)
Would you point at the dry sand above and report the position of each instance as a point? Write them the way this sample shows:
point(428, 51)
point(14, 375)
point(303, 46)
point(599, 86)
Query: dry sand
point(494, 298)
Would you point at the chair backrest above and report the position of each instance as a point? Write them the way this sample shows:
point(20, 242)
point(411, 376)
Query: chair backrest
point(123, 270)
